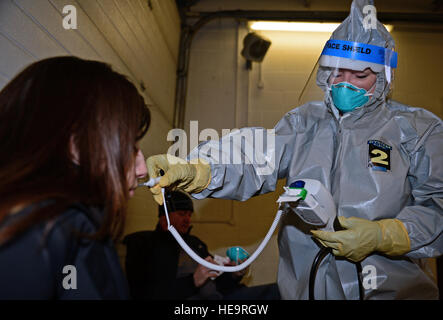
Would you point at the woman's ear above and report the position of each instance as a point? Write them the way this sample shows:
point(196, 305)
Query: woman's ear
point(73, 150)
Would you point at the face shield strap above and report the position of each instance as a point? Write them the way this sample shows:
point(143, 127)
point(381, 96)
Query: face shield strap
point(381, 84)
point(354, 88)
point(339, 54)
point(361, 52)
point(369, 94)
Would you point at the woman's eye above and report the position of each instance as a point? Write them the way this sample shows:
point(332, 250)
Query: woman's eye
point(362, 76)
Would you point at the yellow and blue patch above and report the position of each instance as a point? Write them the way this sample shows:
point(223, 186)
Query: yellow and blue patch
point(379, 156)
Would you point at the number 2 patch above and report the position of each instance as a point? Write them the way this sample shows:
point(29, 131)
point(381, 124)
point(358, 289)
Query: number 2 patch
point(379, 156)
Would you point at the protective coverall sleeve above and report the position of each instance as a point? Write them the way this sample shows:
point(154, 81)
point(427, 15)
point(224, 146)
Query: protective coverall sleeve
point(249, 161)
point(423, 218)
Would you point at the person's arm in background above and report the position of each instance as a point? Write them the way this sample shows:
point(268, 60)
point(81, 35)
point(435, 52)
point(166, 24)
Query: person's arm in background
point(151, 268)
point(184, 287)
point(229, 281)
point(189, 285)
point(138, 271)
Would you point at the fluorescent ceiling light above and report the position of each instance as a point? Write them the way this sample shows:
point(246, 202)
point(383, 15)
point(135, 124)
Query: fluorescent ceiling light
point(298, 26)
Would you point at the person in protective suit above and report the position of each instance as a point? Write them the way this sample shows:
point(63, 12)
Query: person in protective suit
point(381, 161)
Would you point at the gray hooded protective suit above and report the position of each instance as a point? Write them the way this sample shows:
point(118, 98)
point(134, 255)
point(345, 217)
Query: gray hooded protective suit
point(314, 141)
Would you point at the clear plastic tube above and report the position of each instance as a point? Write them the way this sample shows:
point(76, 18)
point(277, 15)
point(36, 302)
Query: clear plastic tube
point(217, 267)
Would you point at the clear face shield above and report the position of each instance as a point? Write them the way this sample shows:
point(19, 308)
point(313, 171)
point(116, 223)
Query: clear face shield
point(350, 74)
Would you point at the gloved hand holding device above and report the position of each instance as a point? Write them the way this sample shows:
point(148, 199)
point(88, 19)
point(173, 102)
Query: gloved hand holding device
point(362, 237)
point(191, 177)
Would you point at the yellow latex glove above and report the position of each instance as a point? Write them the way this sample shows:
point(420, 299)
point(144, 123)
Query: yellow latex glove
point(362, 237)
point(179, 174)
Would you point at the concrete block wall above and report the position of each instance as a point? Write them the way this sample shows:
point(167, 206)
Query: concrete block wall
point(417, 78)
point(137, 40)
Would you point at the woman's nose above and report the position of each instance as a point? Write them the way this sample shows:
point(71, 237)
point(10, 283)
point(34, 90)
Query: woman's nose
point(140, 165)
point(347, 76)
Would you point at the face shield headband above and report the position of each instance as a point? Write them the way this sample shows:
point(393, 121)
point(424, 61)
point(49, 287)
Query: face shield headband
point(340, 54)
point(361, 52)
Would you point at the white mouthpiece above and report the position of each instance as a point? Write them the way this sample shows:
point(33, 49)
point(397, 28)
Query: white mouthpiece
point(152, 182)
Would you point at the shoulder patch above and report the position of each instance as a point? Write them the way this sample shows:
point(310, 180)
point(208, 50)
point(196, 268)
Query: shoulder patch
point(379, 155)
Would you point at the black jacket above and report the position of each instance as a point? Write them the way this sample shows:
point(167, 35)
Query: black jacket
point(31, 266)
point(152, 263)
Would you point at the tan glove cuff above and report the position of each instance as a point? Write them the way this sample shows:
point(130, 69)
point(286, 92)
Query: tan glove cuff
point(394, 237)
point(202, 176)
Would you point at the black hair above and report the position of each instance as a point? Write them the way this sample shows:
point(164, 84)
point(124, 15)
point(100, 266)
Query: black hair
point(176, 201)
